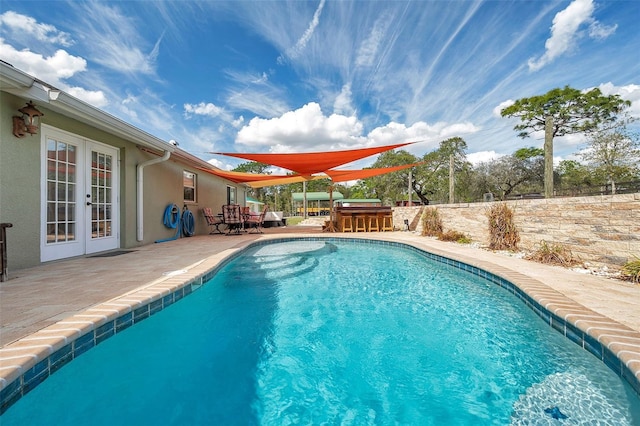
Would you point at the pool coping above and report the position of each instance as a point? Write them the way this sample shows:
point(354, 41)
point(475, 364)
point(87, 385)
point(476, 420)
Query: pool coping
point(28, 361)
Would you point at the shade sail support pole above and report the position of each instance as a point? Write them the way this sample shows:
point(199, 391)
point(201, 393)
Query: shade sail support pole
point(330, 227)
point(304, 200)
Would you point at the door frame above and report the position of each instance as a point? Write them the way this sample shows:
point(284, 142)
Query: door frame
point(82, 244)
point(112, 241)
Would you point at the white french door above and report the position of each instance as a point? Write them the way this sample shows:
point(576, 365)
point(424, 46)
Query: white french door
point(101, 207)
point(79, 196)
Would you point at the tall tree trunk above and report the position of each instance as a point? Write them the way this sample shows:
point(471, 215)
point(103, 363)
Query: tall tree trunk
point(410, 198)
point(548, 157)
point(452, 185)
point(613, 186)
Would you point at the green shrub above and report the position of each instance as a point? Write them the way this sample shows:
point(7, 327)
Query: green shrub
point(431, 222)
point(503, 234)
point(456, 236)
point(631, 271)
point(553, 254)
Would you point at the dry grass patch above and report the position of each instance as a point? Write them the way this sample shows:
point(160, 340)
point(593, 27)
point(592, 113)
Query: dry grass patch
point(553, 254)
point(454, 236)
point(431, 222)
point(631, 271)
point(503, 234)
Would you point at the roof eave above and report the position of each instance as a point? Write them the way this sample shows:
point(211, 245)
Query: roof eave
point(25, 86)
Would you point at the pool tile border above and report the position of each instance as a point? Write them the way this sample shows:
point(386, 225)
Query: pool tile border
point(27, 362)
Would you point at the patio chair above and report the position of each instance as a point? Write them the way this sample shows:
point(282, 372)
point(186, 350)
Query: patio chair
point(232, 217)
point(256, 221)
point(213, 221)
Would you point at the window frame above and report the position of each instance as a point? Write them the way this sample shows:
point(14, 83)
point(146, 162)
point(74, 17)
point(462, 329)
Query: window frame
point(232, 190)
point(189, 189)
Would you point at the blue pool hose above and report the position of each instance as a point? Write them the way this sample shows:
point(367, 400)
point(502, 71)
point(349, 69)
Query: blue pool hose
point(171, 216)
point(188, 223)
point(184, 226)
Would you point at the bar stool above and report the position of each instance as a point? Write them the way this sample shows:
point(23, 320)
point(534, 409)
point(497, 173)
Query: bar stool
point(347, 224)
point(374, 225)
point(387, 222)
point(361, 225)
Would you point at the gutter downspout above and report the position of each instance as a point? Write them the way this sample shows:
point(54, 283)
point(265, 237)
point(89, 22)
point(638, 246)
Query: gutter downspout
point(140, 193)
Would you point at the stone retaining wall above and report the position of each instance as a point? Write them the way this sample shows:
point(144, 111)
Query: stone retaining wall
point(602, 230)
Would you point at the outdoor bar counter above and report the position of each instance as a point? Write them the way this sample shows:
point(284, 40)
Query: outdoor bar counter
point(356, 216)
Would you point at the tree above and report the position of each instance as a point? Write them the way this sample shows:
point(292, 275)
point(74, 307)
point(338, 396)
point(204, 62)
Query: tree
point(573, 175)
point(614, 153)
point(562, 112)
point(431, 180)
point(254, 167)
point(522, 170)
point(389, 187)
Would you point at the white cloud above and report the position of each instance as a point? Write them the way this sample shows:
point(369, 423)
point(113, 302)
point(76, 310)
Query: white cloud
point(458, 129)
point(220, 164)
point(368, 49)
point(343, 104)
point(567, 142)
point(264, 103)
point(117, 43)
point(247, 78)
point(202, 108)
point(565, 31)
point(308, 129)
point(51, 69)
point(54, 70)
point(21, 25)
point(96, 98)
point(600, 32)
point(629, 92)
point(483, 157)
point(299, 47)
point(238, 122)
point(420, 131)
point(305, 129)
point(497, 110)
point(262, 79)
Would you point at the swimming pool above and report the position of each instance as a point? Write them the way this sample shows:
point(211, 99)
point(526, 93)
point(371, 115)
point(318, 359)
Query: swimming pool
point(381, 356)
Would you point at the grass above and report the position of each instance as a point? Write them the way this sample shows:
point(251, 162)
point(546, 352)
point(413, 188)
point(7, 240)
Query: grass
point(553, 254)
point(294, 220)
point(431, 222)
point(432, 227)
point(503, 234)
point(631, 271)
point(455, 236)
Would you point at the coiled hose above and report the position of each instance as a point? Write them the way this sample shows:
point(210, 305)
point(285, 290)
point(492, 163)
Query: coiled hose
point(171, 216)
point(184, 226)
point(188, 222)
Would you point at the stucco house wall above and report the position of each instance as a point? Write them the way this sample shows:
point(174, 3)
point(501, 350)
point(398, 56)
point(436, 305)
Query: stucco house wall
point(20, 176)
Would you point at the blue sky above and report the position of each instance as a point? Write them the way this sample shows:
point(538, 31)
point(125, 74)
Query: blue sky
point(280, 76)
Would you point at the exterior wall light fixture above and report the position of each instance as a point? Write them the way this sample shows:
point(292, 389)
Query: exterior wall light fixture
point(28, 123)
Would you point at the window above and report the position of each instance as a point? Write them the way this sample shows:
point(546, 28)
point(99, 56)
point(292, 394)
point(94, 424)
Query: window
point(231, 195)
point(189, 184)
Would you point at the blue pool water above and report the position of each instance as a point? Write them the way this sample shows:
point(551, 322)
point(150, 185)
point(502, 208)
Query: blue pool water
point(315, 332)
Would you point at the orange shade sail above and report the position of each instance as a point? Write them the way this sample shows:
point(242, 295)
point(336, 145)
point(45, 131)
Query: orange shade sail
point(283, 181)
point(256, 180)
point(241, 177)
point(347, 175)
point(308, 163)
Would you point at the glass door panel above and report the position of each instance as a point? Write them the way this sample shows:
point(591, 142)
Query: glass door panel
point(61, 186)
point(101, 198)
